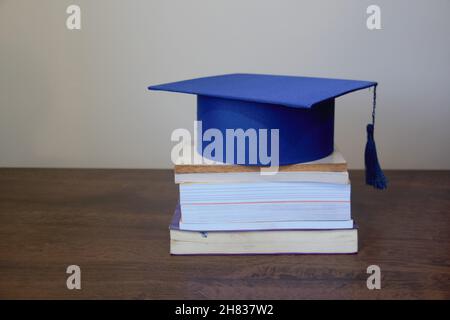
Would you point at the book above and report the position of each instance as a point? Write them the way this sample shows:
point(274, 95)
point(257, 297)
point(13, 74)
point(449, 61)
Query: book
point(335, 162)
point(264, 202)
point(294, 241)
point(267, 225)
point(302, 176)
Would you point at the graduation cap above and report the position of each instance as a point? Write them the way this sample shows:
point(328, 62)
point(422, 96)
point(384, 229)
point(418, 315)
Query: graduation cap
point(302, 108)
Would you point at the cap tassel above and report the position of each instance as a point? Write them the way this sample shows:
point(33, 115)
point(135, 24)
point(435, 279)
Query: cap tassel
point(374, 174)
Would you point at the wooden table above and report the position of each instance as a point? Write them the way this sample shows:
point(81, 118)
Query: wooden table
point(113, 224)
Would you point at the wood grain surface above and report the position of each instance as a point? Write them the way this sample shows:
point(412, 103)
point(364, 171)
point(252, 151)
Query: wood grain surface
point(113, 224)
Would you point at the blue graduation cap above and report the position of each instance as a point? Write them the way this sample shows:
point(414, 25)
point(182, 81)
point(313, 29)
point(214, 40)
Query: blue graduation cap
point(302, 108)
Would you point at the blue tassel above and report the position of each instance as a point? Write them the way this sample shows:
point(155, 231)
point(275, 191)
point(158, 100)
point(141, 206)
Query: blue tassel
point(374, 174)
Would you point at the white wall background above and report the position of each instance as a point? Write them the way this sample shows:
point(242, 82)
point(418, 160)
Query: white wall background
point(79, 98)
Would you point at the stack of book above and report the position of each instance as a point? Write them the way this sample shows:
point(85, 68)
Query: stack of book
point(233, 209)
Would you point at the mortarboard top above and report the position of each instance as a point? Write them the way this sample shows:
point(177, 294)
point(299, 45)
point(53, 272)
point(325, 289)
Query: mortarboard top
point(302, 108)
point(289, 91)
